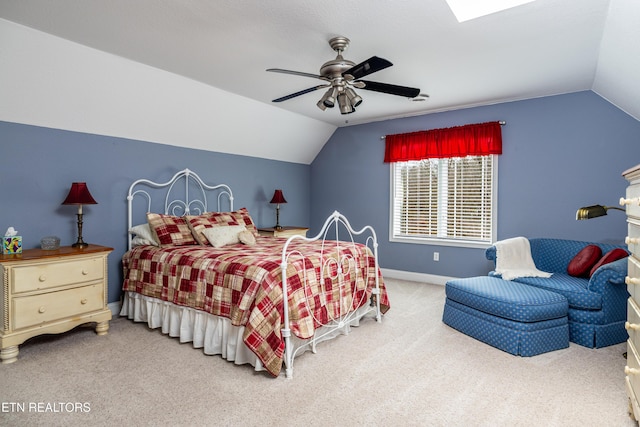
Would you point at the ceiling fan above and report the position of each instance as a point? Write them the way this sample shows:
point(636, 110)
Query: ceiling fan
point(342, 75)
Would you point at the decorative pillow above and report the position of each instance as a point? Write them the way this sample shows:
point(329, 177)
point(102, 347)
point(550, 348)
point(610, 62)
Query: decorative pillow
point(216, 219)
point(143, 235)
point(244, 218)
point(170, 230)
point(197, 224)
point(223, 235)
point(246, 237)
point(239, 217)
point(581, 264)
point(612, 255)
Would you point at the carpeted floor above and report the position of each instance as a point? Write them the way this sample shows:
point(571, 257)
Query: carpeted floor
point(409, 370)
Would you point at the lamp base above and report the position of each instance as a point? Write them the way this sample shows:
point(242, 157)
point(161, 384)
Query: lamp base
point(80, 243)
point(278, 226)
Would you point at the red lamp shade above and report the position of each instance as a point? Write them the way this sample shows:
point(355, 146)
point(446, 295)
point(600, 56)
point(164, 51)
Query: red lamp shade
point(79, 195)
point(278, 197)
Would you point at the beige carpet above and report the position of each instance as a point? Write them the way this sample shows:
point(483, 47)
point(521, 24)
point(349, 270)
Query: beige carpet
point(410, 370)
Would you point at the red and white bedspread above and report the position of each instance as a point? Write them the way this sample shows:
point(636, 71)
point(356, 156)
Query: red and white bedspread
point(244, 284)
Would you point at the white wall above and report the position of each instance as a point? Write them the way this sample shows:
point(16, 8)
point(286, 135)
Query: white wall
point(52, 82)
point(616, 77)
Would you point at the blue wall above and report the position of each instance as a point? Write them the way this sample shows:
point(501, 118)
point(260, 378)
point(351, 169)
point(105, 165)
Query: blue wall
point(39, 165)
point(559, 153)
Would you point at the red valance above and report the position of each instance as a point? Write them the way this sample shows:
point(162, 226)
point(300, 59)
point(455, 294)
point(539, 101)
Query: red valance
point(470, 140)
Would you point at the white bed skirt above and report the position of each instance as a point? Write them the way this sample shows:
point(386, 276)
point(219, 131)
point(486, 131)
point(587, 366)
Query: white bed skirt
point(214, 334)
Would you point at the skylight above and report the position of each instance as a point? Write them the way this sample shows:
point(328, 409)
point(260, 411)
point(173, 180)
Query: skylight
point(471, 9)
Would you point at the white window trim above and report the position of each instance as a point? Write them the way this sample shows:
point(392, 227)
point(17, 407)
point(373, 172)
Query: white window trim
point(444, 241)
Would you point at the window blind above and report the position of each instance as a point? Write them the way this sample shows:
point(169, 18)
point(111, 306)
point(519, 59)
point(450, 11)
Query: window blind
point(447, 198)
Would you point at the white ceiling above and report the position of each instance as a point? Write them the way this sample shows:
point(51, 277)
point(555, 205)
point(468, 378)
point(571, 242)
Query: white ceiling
point(541, 48)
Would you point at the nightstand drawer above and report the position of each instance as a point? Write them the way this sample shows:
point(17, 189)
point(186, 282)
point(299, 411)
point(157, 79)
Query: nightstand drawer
point(37, 309)
point(45, 276)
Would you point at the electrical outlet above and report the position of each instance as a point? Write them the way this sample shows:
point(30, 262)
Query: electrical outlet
point(436, 256)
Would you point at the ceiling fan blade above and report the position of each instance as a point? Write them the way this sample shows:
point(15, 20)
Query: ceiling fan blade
point(407, 92)
point(296, 73)
point(302, 92)
point(367, 67)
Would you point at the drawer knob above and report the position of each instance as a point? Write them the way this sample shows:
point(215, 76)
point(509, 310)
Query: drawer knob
point(631, 280)
point(632, 371)
point(631, 240)
point(633, 201)
point(41, 309)
point(84, 272)
point(42, 277)
point(633, 326)
point(83, 301)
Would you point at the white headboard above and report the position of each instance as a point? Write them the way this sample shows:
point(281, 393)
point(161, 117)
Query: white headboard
point(184, 194)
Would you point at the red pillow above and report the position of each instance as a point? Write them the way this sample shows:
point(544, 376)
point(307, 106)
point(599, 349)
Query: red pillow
point(612, 255)
point(581, 264)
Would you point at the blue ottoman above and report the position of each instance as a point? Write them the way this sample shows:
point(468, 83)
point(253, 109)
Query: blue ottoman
point(516, 318)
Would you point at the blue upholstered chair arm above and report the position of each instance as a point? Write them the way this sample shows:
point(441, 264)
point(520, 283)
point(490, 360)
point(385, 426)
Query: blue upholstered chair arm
point(613, 273)
point(608, 281)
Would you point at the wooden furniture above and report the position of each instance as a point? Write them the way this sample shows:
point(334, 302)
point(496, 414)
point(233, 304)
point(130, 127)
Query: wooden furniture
point(283, 231)
point(51, 291)
point(632, 370)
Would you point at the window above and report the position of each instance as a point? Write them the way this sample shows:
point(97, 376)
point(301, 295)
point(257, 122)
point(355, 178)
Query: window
point(447, 201)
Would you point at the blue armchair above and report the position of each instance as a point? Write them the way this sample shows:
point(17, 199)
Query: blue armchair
point(597, 306)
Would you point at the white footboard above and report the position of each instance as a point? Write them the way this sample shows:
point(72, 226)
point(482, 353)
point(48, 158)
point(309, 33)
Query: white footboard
point(335, 269)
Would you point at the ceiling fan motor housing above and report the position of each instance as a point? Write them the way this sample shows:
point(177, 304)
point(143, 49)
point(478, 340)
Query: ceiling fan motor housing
point(333, 69)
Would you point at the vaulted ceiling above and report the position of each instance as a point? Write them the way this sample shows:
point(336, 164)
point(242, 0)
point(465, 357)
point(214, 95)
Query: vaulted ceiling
point(542, 48)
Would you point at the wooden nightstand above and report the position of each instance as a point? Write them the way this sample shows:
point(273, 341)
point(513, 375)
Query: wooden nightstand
point(283, 232)
point(49, 292)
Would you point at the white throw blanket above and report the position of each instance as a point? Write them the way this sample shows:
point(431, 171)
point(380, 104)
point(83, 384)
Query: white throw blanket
point(513, 259)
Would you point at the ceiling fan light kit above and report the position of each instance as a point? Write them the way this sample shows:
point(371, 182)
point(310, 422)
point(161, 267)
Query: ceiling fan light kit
point(329, 99)
point(354, 98)
point(342, 76)
point(345, 104)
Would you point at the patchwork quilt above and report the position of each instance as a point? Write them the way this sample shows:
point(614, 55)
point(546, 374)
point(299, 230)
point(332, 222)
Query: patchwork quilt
point(244, 284)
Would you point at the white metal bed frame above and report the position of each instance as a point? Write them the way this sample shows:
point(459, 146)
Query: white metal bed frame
point(187, 205)
point(177, 206)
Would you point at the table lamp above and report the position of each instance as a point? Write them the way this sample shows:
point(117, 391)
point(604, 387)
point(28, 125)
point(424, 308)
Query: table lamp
point(79, 195)
point(278, 198)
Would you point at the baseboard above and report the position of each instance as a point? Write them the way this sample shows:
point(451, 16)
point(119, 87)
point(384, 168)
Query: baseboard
point(115, 308)
point(415, 277)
